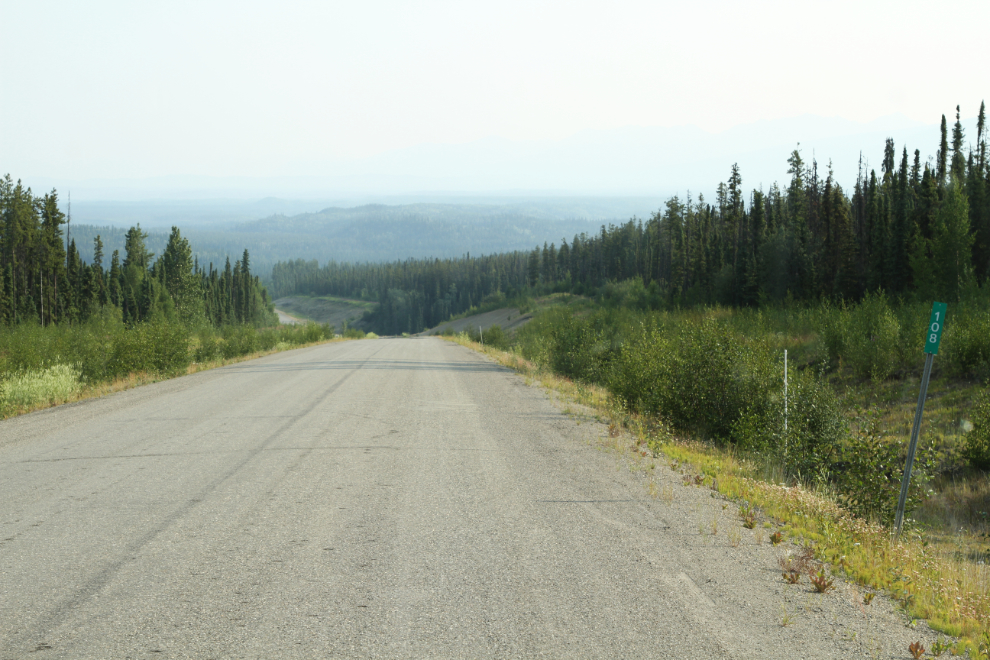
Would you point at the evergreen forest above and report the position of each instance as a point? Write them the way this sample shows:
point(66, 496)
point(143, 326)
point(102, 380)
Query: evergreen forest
point(68, 326)
point(918, 228)
point(44, 280)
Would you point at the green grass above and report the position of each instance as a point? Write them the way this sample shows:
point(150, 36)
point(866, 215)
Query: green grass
point(56, 384)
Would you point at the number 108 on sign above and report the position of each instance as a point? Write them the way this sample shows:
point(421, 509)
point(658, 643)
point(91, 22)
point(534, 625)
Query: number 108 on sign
point(935, 324)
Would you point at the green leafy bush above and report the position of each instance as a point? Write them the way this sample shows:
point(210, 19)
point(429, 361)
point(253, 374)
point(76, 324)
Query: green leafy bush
point(814, 426)
point(832, 323)
point(209, 345)
point(872, 344)
point(966, 343)
point(239, 340)
point(698, 376)
point(977, 449)
point(869, 471)
point(581, 348)
point(865, 337)
point(157, 347)
point(493, 336)
point(699, 373)
point(91, 345)
point(868, 476)
point(630, 294)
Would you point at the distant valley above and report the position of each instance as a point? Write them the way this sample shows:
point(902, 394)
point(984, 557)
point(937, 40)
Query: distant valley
point(378, 232)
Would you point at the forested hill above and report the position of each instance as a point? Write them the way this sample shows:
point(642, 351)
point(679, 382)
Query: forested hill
point(377, 232)
point(919, 226)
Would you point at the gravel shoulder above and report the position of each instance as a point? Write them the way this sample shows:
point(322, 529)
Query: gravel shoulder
point(388, 498)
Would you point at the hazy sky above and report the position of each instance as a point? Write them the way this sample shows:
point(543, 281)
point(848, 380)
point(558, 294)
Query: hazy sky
point(139, 89)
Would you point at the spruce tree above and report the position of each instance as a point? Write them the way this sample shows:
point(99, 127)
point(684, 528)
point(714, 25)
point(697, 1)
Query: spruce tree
point(942, 155)
point(979, 204)
point(952, 244)
point(958, 157)
point(52, 258)
point(534, 267)
point(115, 292)
point(847, 277)
point(900, 228)
point(179, 279)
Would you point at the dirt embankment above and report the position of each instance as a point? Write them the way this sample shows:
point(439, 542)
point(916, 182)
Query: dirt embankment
point(323, 309)
point(508, 318)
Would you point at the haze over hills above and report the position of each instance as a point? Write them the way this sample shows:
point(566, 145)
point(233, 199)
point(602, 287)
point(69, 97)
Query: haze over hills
point(481, 197)
point(636, 161)
point(378, 232)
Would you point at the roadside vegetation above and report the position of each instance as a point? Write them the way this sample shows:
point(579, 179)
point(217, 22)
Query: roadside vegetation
point(704, 388)
point(40, 367)
point(71, 329)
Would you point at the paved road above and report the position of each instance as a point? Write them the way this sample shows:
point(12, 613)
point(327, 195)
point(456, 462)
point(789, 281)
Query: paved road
point(386, 498)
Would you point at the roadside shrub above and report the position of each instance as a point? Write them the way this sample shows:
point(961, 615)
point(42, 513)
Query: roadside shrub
point(209, 346)
point(977, 448)
point(631, 294)
point(105, 348)
point(710, 379)
point(28, 347)
point(91, 346)
point(869, 471)
point(305, 333)
point(168, 347)
point(965, 347)
point(872, 343)
point(709, 372)
point(582, 348)
point(833, 330)
point(52, 385)
point(158, 347)
point(815, 423)
point(239, 340)
point(493, 336)
point(267, 339)
point(865, 337)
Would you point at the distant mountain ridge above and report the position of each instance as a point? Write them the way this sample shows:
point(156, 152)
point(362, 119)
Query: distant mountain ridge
point(370, 233)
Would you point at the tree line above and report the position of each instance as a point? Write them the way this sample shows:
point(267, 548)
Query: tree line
point(44, 280)
point(915, 228)
point(413, 294)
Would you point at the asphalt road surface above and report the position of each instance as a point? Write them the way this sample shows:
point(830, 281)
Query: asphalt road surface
point(383, 498)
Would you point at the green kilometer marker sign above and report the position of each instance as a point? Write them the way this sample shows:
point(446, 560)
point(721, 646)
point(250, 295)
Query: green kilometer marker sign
point(933, 336)
point(935, 324)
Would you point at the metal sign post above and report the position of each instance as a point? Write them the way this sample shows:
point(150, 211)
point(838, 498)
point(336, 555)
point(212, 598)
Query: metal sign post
point(785, 396)
point(933, 336)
